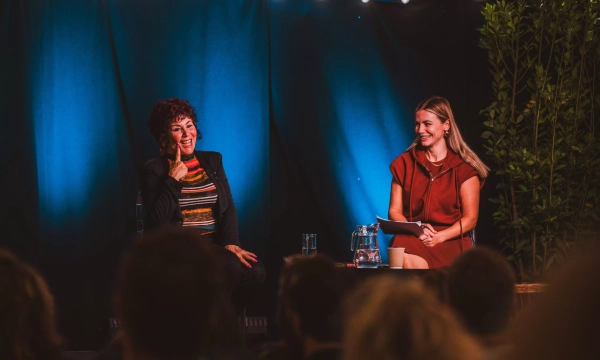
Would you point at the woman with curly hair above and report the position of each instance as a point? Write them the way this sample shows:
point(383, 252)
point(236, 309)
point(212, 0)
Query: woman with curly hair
point(189, 188)
point(28, 329)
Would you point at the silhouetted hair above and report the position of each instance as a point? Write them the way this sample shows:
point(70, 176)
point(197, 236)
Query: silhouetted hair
point(312, 287)
point(481, 285)
point(440, 107)
point(563, 323)
point(436, 281)
point(164, 113)
point(27, 319)
point(391, 318)
point(171, 297)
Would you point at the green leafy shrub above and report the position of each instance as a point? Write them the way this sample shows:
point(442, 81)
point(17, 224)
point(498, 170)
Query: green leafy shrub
point(542, 127)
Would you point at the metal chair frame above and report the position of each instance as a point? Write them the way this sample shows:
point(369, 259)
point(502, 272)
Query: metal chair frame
point(139, 215)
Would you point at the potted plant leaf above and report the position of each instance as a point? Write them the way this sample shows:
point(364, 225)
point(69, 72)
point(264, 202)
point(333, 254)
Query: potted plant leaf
point(542, 127)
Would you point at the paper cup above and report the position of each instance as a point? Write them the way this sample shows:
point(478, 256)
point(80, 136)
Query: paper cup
point(396, 257)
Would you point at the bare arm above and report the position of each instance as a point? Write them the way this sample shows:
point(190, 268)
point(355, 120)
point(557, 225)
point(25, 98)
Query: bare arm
point(469, 198)
point(395, 209)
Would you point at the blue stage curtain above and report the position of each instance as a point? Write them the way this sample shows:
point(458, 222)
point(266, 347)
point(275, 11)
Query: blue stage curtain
point(80, 79)
point(346, 77)
point(308, 100)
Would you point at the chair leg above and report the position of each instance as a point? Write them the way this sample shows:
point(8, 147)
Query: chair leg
point(242, 327)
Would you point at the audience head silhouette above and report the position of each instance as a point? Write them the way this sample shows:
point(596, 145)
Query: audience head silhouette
point(481, 286)
point(436, 281)
point(310, 294)
point(563, 324)
point(28, 330)
point(393, 319)
point(171, 299)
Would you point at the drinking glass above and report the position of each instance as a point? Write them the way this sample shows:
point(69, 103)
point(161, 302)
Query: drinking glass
point(309, 244)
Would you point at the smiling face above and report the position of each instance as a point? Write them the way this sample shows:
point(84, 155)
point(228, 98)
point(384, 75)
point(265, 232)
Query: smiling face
point(430, 128)
point(182, 133)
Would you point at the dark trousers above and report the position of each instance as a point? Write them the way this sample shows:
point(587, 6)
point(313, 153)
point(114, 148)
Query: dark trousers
point(241, 282)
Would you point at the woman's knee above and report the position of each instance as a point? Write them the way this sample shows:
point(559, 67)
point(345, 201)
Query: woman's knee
point(256, 275)
point(230, 265)
point(230, 260)
point(414, 262)
point(251, 281)
point(260, 273)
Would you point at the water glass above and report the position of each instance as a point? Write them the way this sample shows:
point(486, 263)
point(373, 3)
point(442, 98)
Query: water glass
point(309, 244)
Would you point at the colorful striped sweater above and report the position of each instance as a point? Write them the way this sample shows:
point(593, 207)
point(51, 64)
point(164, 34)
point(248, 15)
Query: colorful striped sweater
point(198, 198)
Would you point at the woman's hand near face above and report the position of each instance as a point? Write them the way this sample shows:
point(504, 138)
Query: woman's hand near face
point(177, 168)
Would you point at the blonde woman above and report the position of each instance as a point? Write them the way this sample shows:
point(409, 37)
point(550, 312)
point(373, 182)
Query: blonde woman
point(393, 319)
point(436, 181)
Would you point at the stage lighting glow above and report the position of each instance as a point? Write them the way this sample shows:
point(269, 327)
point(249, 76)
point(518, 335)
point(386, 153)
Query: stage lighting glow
point(80, 135)
point(370, 132)
point(365, 1)
point(72, 102)
point(405, 1)
point(212, 80)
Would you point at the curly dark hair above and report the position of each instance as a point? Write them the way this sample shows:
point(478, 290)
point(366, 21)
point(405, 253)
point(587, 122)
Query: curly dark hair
point(167, 111)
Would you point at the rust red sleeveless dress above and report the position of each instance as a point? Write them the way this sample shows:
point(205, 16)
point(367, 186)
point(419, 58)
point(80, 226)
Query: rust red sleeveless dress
point(430, 195)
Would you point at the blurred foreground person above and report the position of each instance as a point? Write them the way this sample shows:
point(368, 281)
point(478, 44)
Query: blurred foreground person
point(436, 281)
point(309, 310)
point(393, 319)
point(172, 301)
point(564, 323)
point(27, 323)
point(481, 286)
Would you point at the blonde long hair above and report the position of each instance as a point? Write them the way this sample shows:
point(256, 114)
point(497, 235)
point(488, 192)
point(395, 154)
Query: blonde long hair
point(440, 107)
point(390, 319)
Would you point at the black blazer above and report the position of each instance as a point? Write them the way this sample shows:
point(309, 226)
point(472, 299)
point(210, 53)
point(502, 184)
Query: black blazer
point(160, 194)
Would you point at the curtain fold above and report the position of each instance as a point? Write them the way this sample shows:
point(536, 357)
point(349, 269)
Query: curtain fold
point(308, 101)
point(80, 78)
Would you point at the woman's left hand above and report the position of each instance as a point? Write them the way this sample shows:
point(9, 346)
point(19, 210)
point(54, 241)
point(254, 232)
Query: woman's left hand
point(433, 240)
point(430, 236)
point(428, 230)
point(242, 254)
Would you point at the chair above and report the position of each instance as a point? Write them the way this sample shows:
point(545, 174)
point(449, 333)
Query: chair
point(139, 215)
